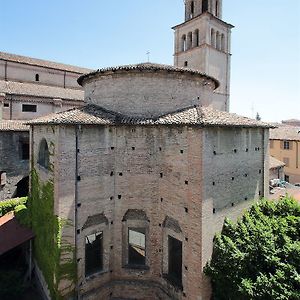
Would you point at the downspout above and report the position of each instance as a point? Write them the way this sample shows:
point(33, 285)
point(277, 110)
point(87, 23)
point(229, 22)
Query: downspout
point(5, 71)
point(264, 161)
point(10, 108)
point(77, 128)
point(64, 79)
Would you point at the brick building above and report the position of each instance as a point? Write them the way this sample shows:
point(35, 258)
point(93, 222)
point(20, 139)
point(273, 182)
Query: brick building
point(144, 178)
point(29, 88)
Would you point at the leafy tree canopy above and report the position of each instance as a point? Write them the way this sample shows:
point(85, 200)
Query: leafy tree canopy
point(259, 256)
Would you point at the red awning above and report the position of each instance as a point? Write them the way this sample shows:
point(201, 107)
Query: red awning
point(12, 234)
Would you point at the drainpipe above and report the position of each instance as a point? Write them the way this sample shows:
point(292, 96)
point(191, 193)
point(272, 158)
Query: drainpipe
point(77, 128)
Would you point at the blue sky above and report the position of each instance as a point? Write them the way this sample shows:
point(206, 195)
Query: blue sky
point(265, 74)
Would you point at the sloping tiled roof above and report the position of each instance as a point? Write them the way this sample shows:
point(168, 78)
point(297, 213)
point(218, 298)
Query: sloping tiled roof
point(42, 63)
point(91, 114)
point(13, 125)
point(12, 234)
point(38, 90)
point(288, 133)
point(147, 67)
point(275, 163)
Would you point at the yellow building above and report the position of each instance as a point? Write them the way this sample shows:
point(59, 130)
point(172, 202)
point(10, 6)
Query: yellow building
point(285, 146)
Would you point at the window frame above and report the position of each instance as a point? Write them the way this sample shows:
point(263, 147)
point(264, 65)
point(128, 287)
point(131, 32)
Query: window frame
point(25, 108)
point(42, 159)
point(136, 265)
point(101, 269)
point(286, 145)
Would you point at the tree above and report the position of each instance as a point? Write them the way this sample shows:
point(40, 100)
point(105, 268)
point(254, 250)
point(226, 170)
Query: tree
point(259, 256)
point(258, 118)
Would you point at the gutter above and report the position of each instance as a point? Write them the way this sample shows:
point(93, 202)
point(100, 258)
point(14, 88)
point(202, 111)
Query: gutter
point(77, 128)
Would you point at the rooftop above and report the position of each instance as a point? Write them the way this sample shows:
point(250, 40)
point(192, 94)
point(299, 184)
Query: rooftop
point(91, 114)
point(42, 63)
point(275, 163)
point(13, 125)
point(285, 132)
point(38, 90)
point(147, 67)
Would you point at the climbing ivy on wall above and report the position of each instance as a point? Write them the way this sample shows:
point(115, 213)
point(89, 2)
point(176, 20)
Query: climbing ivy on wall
point(48, 245)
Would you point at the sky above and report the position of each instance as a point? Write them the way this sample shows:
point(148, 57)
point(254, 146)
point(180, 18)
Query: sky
point(265, 71)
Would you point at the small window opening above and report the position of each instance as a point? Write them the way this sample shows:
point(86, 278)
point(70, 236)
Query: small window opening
point(286, 145)
point(24, 150)
point(175, 261)
point(28, 108)
point(185, 63)
point(136, 246)
point(44, 158)
point(6, 105)
point(93, 253)
point(204, 6)
point(37, 77)
point(192, 9)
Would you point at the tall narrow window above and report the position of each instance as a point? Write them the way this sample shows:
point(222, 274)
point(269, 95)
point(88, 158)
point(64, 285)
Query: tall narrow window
point(286, 145)
point(192, 10)
point(218, 40)
point(204, 6)
point(137, 246)
point(189, 41)
point(44, 159)
point(222, 42)
point(217, 8)
point(93, 253)
point(196, 38)
point(183, 43)
point(37, 77)
point(213, 38)
point(175, 261)
point(24, 150)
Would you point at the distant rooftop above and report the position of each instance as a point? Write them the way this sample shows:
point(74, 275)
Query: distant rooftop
point(39, 90)
point(275, 163)
point(91, 114)
point(42, 63)
point(13, 125)
point(285, 132)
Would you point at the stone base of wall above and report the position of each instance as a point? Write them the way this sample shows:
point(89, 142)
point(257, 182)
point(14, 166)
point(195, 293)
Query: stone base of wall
point(131, 290)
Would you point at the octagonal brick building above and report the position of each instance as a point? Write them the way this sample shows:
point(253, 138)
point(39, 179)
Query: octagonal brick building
point(140, 179)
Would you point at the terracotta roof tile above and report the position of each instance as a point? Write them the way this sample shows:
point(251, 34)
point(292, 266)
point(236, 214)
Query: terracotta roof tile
point(275, 163)
point(42, 63)
point(148, 67)
point(13, 125)
point(38, 90)
point(91, 114)
point(285, 132)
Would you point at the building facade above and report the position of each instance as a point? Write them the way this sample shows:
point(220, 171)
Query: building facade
point(142, 189)
point(202, 42)
point(29, 88)
point(285, 146)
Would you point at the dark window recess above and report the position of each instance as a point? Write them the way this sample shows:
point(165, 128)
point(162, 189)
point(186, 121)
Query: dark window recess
point(204, 6)
point(136, 246)
point(37, 77)
point(6, 104)
point(24, 150)
point(93, 253)
point(175, 261)
point(185, 63)
point(28, 108)
point(44, 159)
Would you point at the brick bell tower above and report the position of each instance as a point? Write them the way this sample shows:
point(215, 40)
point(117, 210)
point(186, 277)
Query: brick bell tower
point(202, 42)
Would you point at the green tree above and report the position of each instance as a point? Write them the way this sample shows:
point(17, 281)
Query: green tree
point(259, 256)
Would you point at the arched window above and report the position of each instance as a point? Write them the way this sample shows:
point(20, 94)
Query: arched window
point(196, 38)
point(189, 41)
point(218, 40)
point(183, 43)
point(37, 77)
point(217, 8)
point(213, 38)
point(222, 42)
point(44, 158)
point(204, 6)
point(192, 9)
